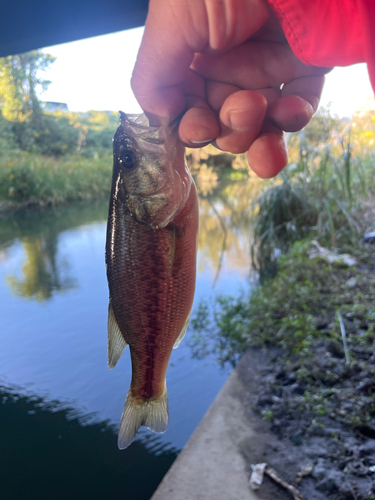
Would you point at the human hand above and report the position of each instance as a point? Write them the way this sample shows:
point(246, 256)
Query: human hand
point(221, 64)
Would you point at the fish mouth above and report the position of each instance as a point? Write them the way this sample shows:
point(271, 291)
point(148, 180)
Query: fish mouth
point(138, 127)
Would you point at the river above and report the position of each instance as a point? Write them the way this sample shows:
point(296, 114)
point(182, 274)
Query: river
point(61, 406)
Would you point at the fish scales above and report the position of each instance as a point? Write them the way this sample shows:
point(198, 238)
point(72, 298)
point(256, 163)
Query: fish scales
point(151, 267)
point(145, 286)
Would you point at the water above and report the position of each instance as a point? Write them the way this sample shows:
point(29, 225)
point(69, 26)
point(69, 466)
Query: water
point(61, 405)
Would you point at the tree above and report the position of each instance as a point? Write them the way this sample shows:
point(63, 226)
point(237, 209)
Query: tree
point(20, 83)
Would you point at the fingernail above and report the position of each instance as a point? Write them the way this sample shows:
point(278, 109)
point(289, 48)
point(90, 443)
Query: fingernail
point(239, 120)
point(202, 142)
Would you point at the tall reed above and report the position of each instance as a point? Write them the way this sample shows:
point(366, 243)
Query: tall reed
point(315, 196)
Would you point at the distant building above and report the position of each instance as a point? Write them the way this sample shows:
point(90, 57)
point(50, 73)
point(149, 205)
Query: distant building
point(55, 106)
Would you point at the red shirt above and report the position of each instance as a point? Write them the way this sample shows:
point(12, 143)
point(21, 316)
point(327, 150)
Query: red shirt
point(329, 32)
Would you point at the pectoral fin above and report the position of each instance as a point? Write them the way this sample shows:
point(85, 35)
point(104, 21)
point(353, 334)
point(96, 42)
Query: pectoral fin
point(182, 333)
point(116, 342)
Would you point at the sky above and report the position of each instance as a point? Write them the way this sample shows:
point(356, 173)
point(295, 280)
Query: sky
point(95, 74)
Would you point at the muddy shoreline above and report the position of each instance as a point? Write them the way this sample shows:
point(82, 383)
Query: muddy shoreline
point(317, 406)
point(341, 456)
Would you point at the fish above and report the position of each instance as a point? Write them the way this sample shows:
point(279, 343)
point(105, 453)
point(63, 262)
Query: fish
point(151, 252)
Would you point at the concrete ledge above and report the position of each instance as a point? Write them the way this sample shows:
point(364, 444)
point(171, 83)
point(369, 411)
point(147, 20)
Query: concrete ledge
point(211, 466)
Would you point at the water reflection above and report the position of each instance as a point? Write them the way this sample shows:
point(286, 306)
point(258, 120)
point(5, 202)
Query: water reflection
point(62, 456)
point(41, 273)
point(225, 231)
point(224, 235)
point(34, 223)
point(44, 271)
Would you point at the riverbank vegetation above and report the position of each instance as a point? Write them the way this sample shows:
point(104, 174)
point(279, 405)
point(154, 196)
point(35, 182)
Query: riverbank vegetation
point(325, 198)
point(325, 192)
point(314, 312)
point(48, 155)
point(28, 179)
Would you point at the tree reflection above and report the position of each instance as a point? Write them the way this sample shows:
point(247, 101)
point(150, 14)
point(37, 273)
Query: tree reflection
point(224, 228)
point(44, 272)
point(226, 225)
point(41, 274)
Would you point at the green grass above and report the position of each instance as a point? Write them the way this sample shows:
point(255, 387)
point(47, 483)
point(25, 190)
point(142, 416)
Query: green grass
point(31, 179)
point(286, 310)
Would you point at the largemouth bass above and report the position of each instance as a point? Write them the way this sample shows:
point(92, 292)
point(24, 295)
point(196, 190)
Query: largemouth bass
point(151, 264)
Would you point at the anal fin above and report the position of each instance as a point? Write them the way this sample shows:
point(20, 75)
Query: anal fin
point(116, 342)
point(151, 413)
point(182, 333)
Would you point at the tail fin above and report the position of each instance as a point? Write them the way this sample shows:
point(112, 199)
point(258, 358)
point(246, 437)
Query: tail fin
point(153, 414)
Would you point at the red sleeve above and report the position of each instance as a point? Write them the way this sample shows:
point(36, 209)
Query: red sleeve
point(329, 32)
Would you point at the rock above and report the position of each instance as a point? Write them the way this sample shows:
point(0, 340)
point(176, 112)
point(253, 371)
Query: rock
point(367, 374)
point(368, 447)
point(331, 481)
point(366, 385)
point(291, 377)
point(316, 450)
point(297, 389)
point(351, 445)
point(263, 400)
point(276, 400)
point(358, 468)
point(331, 431)
point(330, 257)
point(269, 379)
point(320, 469)
point(347, 407)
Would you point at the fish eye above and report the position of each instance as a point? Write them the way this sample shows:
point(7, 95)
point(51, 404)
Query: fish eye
point(127, 158)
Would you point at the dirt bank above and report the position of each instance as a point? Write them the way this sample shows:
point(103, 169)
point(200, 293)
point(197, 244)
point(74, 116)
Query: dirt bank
point(318, 405)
